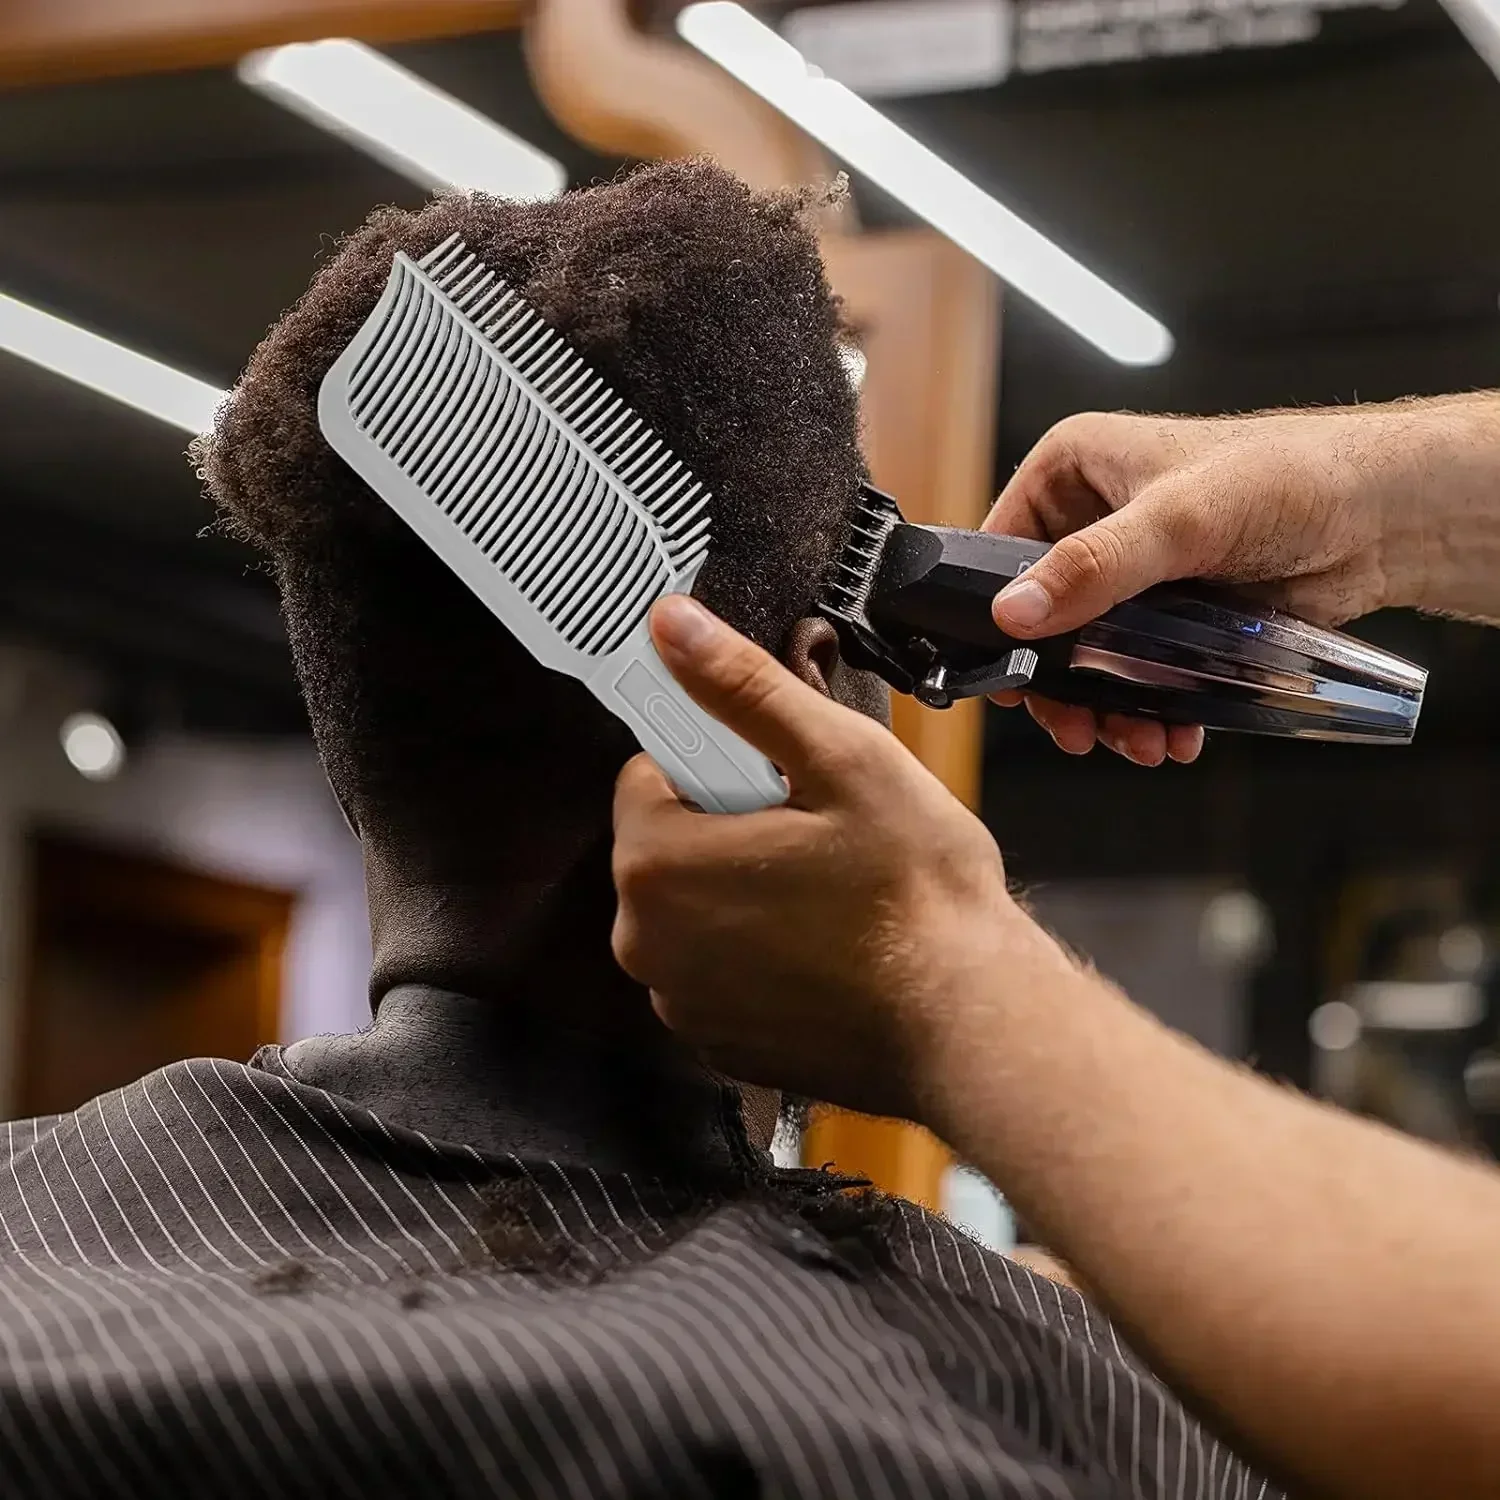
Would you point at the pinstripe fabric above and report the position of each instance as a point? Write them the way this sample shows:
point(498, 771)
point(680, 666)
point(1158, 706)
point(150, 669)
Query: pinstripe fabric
point(221, 1281)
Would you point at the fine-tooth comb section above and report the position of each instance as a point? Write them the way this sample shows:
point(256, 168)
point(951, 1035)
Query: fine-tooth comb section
point(526, 450)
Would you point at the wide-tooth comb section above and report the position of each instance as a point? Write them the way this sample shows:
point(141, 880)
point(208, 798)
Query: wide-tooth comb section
point(525, 449)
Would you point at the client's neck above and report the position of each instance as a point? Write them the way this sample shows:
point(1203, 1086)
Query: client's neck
point(502, 1018)
point(531, 934)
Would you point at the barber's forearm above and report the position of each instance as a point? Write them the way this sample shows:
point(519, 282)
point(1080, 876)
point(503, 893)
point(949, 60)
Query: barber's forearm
point(1326, 1285)
point(1435, 466)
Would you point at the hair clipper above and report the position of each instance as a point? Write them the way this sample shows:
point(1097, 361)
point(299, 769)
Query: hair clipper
point(913, 604)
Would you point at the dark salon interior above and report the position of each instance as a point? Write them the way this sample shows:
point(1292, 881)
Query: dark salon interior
point(1297, 196)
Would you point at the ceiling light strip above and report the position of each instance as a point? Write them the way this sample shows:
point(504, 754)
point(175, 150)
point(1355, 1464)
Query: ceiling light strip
point(880, 150)
point(376, 105)
point(105, 366)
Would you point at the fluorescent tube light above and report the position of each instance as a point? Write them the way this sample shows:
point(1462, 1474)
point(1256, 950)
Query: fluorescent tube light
point(1479, 20)
point(390, 113)
point(880, 150)
point(102, 365)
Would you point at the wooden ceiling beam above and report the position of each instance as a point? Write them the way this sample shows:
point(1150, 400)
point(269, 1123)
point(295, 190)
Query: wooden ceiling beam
point(60, 41)
point(626, 93)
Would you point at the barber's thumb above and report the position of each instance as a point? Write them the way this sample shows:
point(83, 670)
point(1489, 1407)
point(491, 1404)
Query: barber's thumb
point(741, 685)
point(1084, 575)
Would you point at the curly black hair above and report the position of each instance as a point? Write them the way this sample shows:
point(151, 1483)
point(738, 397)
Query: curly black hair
point(703, 303)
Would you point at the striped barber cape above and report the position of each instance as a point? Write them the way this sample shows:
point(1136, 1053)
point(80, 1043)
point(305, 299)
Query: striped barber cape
point(220, 1281)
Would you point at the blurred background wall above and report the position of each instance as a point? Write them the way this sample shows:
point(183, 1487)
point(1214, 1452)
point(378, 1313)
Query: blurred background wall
point(240, 810)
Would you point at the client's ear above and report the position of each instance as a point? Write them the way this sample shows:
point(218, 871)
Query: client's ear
point(812, 652)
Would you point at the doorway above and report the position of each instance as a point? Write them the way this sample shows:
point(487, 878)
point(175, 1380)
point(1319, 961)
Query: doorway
point(134, 962)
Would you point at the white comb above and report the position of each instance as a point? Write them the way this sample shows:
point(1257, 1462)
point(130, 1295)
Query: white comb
point(542, 491)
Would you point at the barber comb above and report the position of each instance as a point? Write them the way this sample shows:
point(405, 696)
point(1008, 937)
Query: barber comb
point(544, 492)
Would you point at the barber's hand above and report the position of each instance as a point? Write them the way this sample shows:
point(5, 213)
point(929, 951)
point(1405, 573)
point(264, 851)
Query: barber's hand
point(828, 946)
point(1285, 502)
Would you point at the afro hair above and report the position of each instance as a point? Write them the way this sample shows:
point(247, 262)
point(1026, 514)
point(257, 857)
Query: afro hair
point(704, 304)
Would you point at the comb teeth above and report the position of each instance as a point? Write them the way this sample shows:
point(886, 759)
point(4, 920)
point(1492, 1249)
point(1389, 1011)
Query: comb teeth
point(526, 450)
point(846, 588)
point(660, 483)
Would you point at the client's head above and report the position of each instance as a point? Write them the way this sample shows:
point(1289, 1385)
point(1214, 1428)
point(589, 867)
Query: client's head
point(705, 306)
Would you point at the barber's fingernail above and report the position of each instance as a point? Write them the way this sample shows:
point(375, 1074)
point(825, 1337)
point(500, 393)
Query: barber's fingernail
point(1023, 603)
point(683, 625)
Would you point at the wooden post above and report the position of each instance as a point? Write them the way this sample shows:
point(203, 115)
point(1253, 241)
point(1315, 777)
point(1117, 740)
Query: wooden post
point(927, 316)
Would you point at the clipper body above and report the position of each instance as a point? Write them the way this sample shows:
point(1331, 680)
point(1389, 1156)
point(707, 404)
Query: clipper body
point(913, 603)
